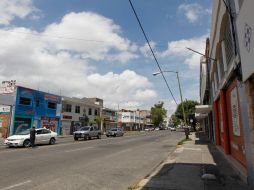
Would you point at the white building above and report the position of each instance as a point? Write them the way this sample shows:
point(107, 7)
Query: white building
point(79, 112)
point(131, 120)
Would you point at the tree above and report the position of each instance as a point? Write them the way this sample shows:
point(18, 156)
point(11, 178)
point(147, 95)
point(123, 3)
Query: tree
point(189, 108)
point(158, 113)
point(176, 120)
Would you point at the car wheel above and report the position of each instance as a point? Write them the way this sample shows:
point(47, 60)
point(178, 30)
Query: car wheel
point(107, 135)
point(75, 138)
point(89, 137)
point(115, 135)
point(52, 141)
point(27, 143)
point(98, 136)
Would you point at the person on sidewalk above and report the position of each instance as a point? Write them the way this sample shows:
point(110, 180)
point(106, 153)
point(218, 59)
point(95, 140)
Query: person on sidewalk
point(32, 136)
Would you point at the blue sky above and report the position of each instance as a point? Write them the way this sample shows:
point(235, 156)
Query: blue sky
point(87, 48)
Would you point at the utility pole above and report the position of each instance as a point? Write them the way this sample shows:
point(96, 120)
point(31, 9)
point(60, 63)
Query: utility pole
point(184, 117)
point(180, 90)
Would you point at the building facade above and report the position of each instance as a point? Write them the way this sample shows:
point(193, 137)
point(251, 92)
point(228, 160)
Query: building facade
point(77, 112)
point(109, 119)
point(134, 120)
point(230, 69)
point(33, 107)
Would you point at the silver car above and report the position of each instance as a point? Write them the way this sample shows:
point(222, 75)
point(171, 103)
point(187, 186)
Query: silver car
point(115, 132)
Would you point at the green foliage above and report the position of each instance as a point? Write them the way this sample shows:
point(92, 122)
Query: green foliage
point(98, 120)
point(158, 113)
point(176, 120)
point(183, 141)
point(189, 108)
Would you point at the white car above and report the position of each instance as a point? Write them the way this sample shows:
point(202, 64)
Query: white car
point(43, 136)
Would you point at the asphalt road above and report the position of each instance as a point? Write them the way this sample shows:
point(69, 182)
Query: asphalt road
point(108, 163)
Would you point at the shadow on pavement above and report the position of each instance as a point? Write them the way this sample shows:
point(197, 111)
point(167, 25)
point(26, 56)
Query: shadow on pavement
point(184, 170)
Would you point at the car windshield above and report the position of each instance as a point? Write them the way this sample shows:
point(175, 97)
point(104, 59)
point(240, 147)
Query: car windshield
point(84, 129)
point(25, 132)
point(113, 129)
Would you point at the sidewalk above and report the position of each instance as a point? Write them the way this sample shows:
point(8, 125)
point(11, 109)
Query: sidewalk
point(184, 167)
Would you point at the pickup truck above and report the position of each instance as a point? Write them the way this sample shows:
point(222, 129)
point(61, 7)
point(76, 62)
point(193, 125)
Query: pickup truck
point(87, 133)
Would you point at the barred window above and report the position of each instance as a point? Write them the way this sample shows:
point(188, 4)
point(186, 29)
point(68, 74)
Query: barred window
point(228, 43)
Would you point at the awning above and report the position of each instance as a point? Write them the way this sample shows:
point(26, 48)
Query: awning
point(203, 109)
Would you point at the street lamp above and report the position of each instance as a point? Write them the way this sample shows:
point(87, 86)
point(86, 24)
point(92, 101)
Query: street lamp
point(179, 85)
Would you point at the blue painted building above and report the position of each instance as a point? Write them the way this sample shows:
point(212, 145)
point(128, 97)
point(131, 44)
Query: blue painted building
point(33, 107)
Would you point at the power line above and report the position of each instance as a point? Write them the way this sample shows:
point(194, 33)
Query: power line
point(82, 39)
point(152, 51)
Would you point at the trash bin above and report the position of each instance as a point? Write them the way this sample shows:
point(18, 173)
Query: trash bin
point(187, 132)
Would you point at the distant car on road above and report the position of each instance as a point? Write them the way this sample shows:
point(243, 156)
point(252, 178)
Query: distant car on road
point(43, 136)
point(172, 128)
point(87, 133)
point(114, 132)
point(157, 129)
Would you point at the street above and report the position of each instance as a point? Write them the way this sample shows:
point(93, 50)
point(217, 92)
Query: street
point(108, 163)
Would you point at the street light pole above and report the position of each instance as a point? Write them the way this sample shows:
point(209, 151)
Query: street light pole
point(184, 117)
point(179, 85)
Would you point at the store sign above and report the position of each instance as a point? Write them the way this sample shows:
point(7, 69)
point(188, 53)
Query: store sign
point(67, 117)
point(5, 109)
point(235, 113)
point(8, 87)
point(53, 98)
point(245, 29)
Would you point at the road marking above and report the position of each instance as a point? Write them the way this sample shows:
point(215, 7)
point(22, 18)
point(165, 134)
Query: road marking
point(77, 149)
point(16, 185)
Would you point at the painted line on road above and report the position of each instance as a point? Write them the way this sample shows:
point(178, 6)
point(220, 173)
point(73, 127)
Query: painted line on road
point(78, 149)
point(16, 185)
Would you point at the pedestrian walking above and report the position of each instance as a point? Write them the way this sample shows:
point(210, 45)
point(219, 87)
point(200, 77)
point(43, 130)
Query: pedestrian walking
point(32, 136)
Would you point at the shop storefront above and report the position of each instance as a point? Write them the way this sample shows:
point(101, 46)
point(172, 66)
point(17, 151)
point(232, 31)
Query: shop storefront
point(229, 129)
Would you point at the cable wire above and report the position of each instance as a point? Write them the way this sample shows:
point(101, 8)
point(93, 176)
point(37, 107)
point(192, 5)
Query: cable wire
point(133, 9)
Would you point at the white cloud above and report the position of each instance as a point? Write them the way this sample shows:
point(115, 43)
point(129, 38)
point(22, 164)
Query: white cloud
point(96, 37)
point(58, 65)
point(145, 50)
point(193, 12)
point(9, 9)
point(178, 49)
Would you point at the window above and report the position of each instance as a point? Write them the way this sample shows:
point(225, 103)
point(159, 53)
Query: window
point(95, 112)
point(228, 43)
point(24, 101)
point(67, 108)
point(39, 132)
point(51, 105)
point(90, 111)
point(45, 131)
point(77, 109)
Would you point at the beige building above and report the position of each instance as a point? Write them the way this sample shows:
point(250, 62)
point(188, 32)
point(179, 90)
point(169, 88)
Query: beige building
point(78, 112)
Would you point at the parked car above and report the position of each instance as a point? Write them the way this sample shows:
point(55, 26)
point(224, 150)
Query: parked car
point(157, 129)
point(43, 136)
point(172, 128)
point(87, 133)
point(114, 132)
